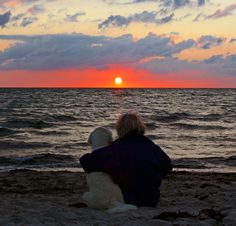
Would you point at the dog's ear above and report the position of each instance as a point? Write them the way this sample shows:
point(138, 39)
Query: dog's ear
point(90, 137)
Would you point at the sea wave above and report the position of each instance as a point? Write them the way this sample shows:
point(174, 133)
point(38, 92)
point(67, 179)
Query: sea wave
point(6, 132)
point(26, 123)
point(177, 116)
point(198, 127)
point(40, 159)
point(10, 144)
point(50, 133)
point(151, 125)
point(60, 118)
point(170, 117)
point(201, 163)
point(209, 117)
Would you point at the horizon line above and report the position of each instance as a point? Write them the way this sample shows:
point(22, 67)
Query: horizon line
point(34, 87)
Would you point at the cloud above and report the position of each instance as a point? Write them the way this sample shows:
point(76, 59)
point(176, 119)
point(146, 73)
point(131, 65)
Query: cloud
point(165, 12)
point(220, 64)
point(216, 65)
point(27, 21)
point(208, 41)
point(223, 13)
point(214, 59)
point(177, 4)
point(181, 3)
point(232, 40)
point(170, 4)
point(141, 1)
point(17, 17)
point(36, 9)
point(74, 17)
point(81, 51)
point(201, 2)
point(155, 53)
point(217, 14)
point(5, 18)
point(143, 17)
point(199, 17)
point(21, 20)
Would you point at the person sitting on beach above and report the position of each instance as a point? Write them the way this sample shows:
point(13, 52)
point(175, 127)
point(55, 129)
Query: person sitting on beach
point(103, 193)
point(133, 161)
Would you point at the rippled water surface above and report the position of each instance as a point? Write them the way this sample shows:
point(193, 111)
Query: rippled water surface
point(48, 128)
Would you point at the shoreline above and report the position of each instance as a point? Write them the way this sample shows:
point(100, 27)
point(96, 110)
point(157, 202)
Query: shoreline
point(229, 170)
point(187, 198)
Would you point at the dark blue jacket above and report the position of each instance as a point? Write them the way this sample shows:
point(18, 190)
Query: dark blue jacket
point(135, 163)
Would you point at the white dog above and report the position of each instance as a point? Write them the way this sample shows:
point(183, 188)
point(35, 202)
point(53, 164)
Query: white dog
point(103, 193)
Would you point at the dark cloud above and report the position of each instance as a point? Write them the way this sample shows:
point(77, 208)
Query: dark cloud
point(157, 54)
point(115, 21)
point(21, 20)
point(181, 3)
point(4, 18)
point(81, 51)
point(27, 21)
point(214, 59)
point(74, 17)
point(217, 14)
point(163, 3)
point(222, 64)
point(141, 1)
point(232, 40)
point(143, 17)
point(17, 17)
point(208, 41)
point(177, 4)
point(199, 17)
point(166, 19)
point(223, 13)
point(201, 2)
point(215, 65)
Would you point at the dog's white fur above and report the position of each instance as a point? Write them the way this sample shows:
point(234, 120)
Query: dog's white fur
point(103, 193)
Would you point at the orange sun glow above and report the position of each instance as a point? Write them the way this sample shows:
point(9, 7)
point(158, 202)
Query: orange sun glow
point(118, 80)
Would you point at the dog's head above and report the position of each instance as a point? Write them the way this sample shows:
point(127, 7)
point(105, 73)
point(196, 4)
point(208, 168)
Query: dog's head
point(100, 137)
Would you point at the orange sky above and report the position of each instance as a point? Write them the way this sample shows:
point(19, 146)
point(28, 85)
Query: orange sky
point(92, 78)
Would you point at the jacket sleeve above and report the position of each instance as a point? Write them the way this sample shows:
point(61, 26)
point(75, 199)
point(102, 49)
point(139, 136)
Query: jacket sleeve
point(163, 162)
point(96, 161)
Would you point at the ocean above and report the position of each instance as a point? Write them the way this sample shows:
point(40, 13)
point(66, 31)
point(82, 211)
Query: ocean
point(47, 129)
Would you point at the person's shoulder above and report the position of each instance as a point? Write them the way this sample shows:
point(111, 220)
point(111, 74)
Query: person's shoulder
point(135, 138)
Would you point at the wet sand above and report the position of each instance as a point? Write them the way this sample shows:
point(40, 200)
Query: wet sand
point(43, 198)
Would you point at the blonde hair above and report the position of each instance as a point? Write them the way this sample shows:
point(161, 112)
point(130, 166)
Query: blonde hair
point(130, 123)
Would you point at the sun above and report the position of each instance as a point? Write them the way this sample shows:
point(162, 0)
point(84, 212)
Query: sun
point(118, 81)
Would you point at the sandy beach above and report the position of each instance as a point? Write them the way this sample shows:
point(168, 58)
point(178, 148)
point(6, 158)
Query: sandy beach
point(44, 198)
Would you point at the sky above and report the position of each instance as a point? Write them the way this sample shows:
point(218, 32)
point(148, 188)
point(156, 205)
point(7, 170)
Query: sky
point(88, 43)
